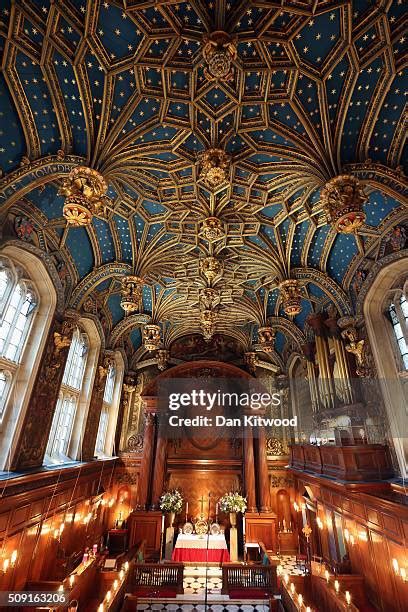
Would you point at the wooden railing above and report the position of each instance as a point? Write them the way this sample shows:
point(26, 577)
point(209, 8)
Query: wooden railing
point(151, 575)
point(237, 576)
point(364, 462)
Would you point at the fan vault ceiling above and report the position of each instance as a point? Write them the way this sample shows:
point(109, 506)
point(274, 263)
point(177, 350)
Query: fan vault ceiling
point(313, 90)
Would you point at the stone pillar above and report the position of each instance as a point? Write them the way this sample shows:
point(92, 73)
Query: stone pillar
point(263, 477)
point(94, 412)
point(126, 404)
point(249, 469)
point(145, 468)
point(159, 466)
point(34, 433)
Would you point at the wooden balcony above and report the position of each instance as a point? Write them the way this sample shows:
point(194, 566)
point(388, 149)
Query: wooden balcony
point(365, 462)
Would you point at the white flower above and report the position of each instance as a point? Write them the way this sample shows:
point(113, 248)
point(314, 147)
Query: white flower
point(232, 502)
point(171, 501)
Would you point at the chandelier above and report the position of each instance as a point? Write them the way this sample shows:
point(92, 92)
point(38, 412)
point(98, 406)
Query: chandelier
point(291, 297)
point(266, 338)
point(343, 199)
point(219, 51)
point(212, 229)
point(211, 267)
point(131, 293)
point(152, 337)
point(214, 165)
point(84, 190)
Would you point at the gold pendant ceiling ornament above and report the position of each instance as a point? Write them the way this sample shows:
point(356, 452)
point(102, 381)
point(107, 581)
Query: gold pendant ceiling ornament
point(162, 359)
point(209, 298)
point(131, 293)
point(214, 166)
point(208, 319)
point(291, 297)
point(211, 267)
point(251, 361)
point(219, 51)
point(212, 229)
point(84, 190)
point(343, 198)
point(152, 337)
point(266, 339)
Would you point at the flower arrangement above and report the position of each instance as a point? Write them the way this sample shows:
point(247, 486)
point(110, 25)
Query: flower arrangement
point(171, 501)
point(233, 502)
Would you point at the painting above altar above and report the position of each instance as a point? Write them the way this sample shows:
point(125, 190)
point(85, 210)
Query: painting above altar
point(194, 347)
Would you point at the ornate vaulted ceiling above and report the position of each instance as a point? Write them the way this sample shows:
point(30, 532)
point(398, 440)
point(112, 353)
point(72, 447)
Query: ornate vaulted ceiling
point(314, 90)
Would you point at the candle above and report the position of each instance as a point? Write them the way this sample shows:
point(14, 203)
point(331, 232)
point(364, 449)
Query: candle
point(300, 600)
point(327, 576)
point(243, 524)
point(186, 511)
point(336, 585)
point(71, 580)
point(348, 598)
point(95, 549)
point(216, 510)
point(292, 588)
point(162, 527)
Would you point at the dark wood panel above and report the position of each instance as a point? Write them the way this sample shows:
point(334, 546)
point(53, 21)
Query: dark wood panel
point(145, 526)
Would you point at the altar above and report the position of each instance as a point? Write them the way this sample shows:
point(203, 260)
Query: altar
point(194, 548)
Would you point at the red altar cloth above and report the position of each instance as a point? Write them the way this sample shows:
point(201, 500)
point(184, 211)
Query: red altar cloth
point(193, 549)
point(200, 556)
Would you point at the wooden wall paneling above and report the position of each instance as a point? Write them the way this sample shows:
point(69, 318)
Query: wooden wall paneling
point(198, 482)
point(398, 552)
point(28, 521)
point(391, 525)
point(4, 519)
point(145, 526)
point(393, 592)
point(262, 528)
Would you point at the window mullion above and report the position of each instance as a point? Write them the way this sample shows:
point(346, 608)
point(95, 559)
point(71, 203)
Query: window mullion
point(402, 321)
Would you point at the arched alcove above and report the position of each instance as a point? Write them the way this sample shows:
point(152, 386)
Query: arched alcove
point(379, 332)
point(31, 357)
